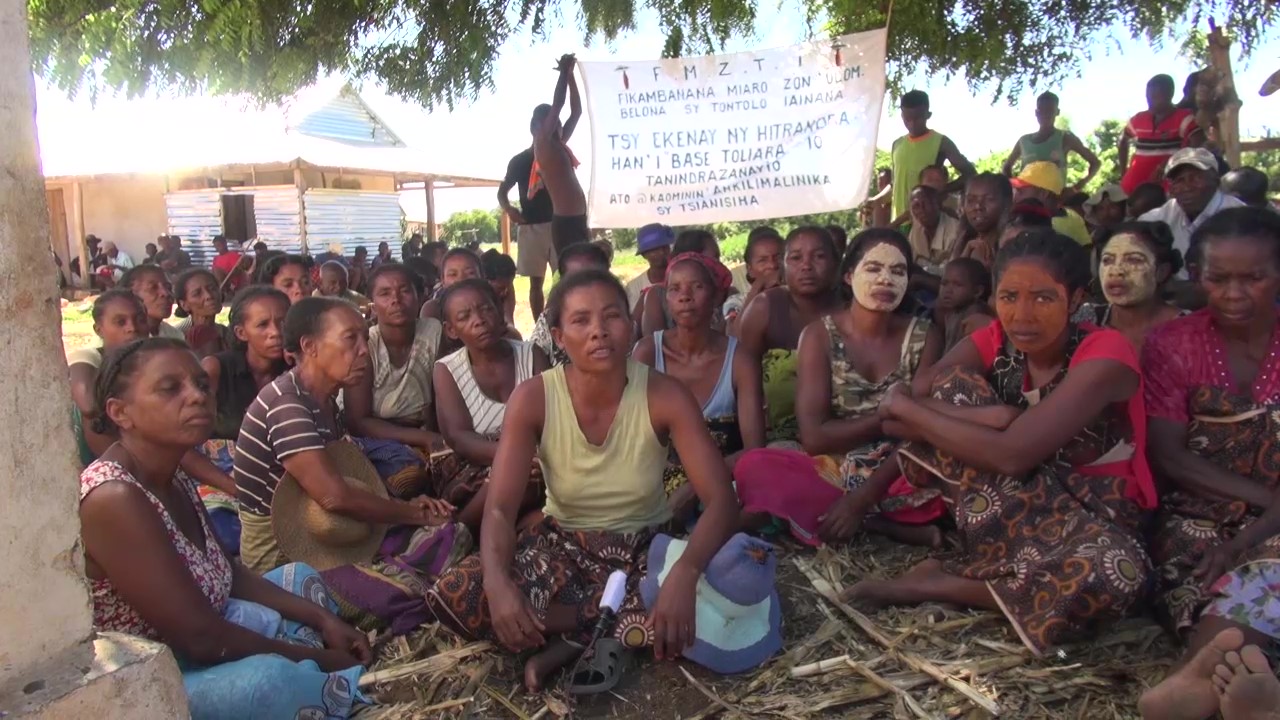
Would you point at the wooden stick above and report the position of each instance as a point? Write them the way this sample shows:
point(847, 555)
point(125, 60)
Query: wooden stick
point(912, 660)
point(447, 704)
point(505, 702)
point(820, 667)
point(880, 682)
point(435, 663)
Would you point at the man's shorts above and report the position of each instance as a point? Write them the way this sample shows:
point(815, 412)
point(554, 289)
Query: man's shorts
point(534, 250)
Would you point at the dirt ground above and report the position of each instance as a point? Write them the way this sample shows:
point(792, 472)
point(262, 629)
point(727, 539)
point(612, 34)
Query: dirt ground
point(1101, 677)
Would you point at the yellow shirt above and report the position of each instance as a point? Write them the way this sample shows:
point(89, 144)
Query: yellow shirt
point(616, 486)
point(1072, 225)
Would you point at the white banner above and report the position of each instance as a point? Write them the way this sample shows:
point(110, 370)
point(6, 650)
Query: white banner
point(748, 136)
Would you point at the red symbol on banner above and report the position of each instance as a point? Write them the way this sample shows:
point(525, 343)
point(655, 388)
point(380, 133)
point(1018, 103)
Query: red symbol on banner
point(626, 82)
point(837, 45)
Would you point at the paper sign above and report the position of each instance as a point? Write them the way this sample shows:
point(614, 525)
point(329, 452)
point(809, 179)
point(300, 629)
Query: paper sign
point(747, 136)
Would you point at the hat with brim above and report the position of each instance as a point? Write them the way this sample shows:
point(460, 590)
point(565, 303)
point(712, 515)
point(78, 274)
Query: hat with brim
point(307, 533)
point(654, 236)
point(1112, 192)
point(737, 614)
point(1198, 158)
point(1041, 174)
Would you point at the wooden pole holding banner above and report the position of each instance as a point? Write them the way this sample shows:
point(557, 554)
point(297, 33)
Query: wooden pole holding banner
point(1229, 116)
point(505, 224)
point(429, 187)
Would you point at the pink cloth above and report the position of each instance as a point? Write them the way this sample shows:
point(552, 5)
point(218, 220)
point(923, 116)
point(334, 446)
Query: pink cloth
point(787, 485)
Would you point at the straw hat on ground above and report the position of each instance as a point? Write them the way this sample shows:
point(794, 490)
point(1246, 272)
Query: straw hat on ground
point(309, 534)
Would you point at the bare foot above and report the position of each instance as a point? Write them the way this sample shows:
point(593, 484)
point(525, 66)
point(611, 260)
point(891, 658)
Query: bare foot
point(902, 590)
point(1187, 693)
point(1249, 688)
point(539, 667)
point(921, 535)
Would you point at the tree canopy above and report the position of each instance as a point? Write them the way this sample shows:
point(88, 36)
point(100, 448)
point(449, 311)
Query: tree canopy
point(435, 52)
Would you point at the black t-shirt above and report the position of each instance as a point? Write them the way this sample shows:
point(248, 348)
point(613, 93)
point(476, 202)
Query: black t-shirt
point(536, 210)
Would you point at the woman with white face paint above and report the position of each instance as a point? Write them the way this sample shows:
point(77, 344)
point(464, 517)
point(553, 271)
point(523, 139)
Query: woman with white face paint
point(1134, 261)
point(847, 362)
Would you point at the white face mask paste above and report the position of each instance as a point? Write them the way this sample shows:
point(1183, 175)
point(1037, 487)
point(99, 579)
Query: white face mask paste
point(880, 278)
point(1127, 271)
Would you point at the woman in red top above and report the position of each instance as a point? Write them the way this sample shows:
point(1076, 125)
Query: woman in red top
point(1213, 392)
point(1036, 435)
point(1156, 134)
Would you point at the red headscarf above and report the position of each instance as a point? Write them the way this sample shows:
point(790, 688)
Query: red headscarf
point(720, 275)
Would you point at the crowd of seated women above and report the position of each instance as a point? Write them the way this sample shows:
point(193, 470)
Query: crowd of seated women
point(1098, 450)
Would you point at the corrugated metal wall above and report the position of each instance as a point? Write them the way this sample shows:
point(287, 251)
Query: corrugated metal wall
point(345, 118)
point(278, 214)
point(195, 216)
point(355, 218)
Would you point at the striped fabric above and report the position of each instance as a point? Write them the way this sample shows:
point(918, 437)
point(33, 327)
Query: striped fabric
point(284, 419)
point(486, 413)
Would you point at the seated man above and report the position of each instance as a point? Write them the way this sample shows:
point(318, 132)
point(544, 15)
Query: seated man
point(333, 283)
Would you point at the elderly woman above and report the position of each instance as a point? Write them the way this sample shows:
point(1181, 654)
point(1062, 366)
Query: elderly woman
point(599, 426)
point(287, 429)
point(771, 325)
point(199, 302)
point(248, 646)
point(1036, 438)
point(848, 361)
point(472, 387)
point(722, 377)
point(151, 286)
point(1213, 391)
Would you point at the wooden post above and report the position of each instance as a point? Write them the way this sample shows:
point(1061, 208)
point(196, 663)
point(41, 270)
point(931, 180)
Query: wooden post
point(429, 187)
point(77, 229)
point(1229, 117)
point(505, 224)
point(300, 183)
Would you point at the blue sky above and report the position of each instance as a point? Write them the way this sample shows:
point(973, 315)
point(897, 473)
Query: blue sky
point(480, 137)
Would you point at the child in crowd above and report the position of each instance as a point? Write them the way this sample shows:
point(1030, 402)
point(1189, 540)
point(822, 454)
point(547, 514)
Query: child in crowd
point(963, 300)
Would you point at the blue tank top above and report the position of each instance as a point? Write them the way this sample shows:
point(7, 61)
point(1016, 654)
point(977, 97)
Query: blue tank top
point(722, 402)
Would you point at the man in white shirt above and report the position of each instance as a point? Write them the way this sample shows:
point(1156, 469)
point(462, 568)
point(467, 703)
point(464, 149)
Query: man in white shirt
point(1194, 197)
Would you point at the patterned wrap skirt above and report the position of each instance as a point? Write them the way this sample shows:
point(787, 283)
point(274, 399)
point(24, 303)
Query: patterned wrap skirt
point(554, 566)
point(1236, 434)
point(1059, 549)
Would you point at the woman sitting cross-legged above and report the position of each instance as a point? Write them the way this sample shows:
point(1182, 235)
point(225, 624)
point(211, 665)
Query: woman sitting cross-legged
point(848, 361)
point(709, 363)
point(1213, 392)
point(771, 324)
point(199, 302)
point(1135, 261)
point(247, 646)
point(473, 385)
point(599, 425)
point(286, 432)
point(1036, 436)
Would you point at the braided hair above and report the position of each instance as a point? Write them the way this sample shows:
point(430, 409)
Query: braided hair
point(118, 370)
point(1063, 257)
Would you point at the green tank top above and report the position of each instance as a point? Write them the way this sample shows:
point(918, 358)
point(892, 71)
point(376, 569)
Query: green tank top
point(1050, 150)
point(910, 156)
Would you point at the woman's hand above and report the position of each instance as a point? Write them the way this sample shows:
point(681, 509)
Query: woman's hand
point(340, 636)
point(1215, 563)
point(431, 511)
point(335, 660)
point(893, 396)
point(514, 620)
point(844, 518)
point(672, 619)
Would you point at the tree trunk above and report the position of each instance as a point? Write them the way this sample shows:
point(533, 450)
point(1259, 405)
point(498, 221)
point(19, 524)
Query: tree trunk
point(45, 605)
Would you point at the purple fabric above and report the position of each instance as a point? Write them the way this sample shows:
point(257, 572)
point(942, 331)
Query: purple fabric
point(388, 456)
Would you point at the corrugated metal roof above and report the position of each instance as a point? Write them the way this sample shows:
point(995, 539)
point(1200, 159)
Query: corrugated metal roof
point(347, 118)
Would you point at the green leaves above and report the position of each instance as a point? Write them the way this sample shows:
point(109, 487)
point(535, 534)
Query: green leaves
point(441, 52)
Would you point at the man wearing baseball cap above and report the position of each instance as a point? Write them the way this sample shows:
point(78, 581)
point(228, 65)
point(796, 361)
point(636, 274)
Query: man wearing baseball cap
point(1194, 197)
point(1043, 181)
point(653, 242)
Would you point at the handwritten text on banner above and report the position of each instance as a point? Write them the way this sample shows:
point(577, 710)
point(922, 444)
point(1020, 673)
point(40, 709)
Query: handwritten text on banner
point(748, 136)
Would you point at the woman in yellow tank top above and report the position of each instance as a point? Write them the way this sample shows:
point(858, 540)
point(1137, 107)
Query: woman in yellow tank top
point(600, 426)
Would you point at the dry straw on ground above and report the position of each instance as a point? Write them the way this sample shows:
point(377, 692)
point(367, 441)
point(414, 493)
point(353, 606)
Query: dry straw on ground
point(921, 662)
